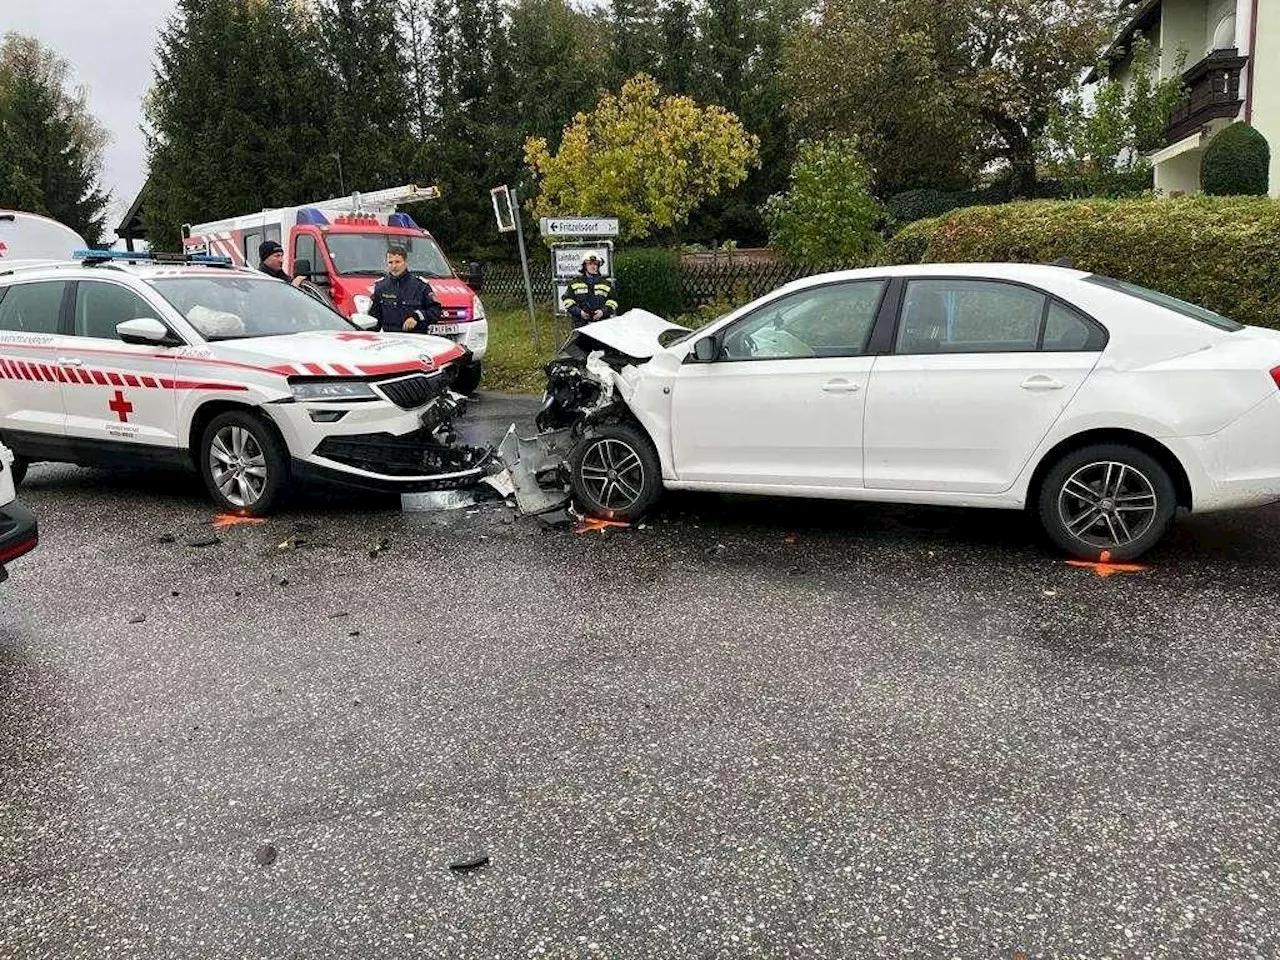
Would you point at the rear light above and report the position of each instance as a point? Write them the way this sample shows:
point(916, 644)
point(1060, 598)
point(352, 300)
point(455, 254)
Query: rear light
point(1275, 375)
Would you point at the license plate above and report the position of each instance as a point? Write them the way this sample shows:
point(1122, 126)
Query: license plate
point(444, 329)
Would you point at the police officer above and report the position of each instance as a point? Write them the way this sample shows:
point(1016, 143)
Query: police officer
point(589, 296)
point(271, 262)
point(401, 301)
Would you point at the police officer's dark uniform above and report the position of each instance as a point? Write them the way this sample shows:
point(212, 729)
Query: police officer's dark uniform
point(587, 293)
point(395, 299)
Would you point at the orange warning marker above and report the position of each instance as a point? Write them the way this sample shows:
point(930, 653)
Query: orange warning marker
point(1103, 566)
point(587, 524)
point(232, 519)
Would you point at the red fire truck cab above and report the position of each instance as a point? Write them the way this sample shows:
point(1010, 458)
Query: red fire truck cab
point(340, 245)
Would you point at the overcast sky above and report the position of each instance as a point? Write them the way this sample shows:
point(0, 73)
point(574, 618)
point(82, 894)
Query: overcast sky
point(110, 45)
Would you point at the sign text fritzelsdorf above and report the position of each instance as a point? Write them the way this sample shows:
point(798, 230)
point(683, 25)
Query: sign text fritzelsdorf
point(579, 226)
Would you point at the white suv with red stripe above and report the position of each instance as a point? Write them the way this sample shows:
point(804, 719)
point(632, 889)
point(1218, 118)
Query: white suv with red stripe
point(240, 376)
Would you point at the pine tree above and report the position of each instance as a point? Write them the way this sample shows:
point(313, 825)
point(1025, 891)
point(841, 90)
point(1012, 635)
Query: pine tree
point(237, 115)
point(51, 159)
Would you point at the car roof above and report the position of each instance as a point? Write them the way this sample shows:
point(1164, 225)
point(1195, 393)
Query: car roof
point(49, 269)
point(1034, 273)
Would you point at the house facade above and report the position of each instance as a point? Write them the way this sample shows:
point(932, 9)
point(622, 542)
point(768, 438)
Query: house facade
point(1228, 52)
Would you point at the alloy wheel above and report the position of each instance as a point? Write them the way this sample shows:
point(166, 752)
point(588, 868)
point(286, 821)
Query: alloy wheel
point(238, 465)
point(1107, 504)
point(613, 474)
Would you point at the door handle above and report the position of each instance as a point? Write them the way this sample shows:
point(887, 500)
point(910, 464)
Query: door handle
point(1041, 382)
point(840, 386)
point(70, 362)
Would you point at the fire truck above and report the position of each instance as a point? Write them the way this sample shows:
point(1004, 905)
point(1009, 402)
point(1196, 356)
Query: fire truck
point(340, 246)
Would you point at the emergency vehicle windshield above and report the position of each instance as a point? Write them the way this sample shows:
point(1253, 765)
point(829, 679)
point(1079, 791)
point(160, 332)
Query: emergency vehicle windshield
point(366, 253)
point(235, 307)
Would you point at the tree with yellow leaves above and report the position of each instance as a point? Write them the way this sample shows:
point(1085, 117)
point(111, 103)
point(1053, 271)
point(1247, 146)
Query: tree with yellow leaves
point(640, 156)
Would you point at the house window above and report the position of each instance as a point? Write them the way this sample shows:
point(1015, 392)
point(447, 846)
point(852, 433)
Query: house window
point(1224, 34)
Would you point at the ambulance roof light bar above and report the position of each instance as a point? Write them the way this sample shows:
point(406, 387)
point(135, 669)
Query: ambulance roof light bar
point(94, 257)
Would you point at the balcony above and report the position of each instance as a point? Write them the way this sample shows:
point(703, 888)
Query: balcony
point(1213, 87)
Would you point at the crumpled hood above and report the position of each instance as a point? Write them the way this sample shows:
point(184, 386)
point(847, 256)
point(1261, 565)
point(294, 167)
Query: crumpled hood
point(633, 334)
point(341, 352)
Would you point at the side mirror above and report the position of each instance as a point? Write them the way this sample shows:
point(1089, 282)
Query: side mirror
point(302, 267)
point(144, 331)
point(704, 351)
point(475, 276)
point(364, 321)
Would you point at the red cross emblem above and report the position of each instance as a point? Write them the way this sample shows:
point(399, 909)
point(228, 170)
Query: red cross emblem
point(4, 248)
point(356, 336)
point(121, 406)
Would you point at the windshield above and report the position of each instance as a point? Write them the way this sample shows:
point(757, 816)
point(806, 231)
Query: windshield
point(367, 253)
point(1169, 303)
point(232, 307)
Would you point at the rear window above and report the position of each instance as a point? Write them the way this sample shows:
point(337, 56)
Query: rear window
point(1189, 310)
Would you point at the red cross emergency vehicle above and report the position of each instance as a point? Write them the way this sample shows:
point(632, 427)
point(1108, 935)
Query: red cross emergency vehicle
point(133, 359)
point(341, 246)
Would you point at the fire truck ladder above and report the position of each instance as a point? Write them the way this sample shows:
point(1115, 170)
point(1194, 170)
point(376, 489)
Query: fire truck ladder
point(378, 199)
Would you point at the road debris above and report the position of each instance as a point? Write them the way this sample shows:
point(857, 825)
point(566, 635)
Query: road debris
point(266, 855)
point(473, 862)
point(209, 541)
point(235, 520)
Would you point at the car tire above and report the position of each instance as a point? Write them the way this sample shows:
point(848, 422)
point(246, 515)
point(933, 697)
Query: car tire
point(1107, 502)
point(251, 460)
point(468, 379)
point(614, 472)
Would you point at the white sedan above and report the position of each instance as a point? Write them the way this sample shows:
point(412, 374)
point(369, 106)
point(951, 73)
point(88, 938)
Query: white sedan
point(1100, 406)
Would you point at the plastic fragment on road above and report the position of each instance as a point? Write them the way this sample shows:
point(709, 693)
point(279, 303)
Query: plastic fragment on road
point(472, 862)
point(523, 460)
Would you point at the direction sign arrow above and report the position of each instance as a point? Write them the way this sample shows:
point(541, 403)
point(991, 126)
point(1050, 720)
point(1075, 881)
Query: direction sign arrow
point(579, 226)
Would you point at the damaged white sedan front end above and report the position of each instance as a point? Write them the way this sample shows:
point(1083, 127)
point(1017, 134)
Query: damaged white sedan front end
point(603, 413)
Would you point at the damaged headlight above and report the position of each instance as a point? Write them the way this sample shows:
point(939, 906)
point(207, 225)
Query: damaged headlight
point(332, 390)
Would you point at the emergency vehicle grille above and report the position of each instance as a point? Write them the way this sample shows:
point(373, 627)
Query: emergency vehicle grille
point(414, 391)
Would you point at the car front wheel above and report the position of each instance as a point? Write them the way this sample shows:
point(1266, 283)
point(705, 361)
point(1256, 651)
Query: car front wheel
point(243, 463)
point(615, 473)
point(1108, 501)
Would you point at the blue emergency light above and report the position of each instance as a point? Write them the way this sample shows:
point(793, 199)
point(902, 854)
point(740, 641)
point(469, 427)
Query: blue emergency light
point(311, 216)
point(401, 220)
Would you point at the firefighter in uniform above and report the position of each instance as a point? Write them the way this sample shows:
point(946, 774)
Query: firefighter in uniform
point(589, 296)
point(401, 301)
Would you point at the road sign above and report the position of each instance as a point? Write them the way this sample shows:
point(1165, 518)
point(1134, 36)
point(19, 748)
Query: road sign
point(579, 226)
point(502, 210)
point(568, 257)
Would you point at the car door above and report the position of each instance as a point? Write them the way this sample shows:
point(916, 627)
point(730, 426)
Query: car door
point(980, 370)
point(781, 403)
point(31, 399)
point(116, 392)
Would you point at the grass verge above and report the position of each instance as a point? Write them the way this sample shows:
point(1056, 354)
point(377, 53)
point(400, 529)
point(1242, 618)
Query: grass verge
point(513, 364)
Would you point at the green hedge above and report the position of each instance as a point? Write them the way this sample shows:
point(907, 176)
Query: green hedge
point(1237, 162)
point(1221, 252)
point(649, 278)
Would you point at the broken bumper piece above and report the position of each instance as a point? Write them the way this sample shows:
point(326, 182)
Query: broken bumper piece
point(412, 463)
point(531, 469)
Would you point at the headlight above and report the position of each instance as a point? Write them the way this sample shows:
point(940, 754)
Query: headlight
point(362, 303)
point(477, 308)
point(332, 390)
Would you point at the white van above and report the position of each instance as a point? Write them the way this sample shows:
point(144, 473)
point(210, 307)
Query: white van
point(25, 237)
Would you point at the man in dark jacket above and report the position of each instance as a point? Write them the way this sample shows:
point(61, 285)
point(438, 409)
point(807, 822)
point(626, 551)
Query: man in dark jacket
point(271, 261)
point(589, 296)
point(401, 301)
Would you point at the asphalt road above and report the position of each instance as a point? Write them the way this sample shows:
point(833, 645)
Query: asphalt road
point(751, 728)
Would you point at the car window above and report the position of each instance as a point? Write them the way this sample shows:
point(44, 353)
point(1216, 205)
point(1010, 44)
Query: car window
point(100, 306)
point(233, 306)
point(32, 307)
point(1066, 330)
point(834, 320)
point(969, 316)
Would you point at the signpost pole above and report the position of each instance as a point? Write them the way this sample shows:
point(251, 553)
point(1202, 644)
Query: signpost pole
point(524, 264)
